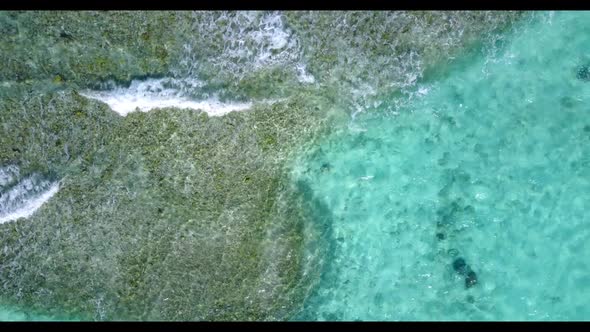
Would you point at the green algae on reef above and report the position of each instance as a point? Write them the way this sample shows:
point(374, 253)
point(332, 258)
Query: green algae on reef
point(85, 48)
point(162, 215)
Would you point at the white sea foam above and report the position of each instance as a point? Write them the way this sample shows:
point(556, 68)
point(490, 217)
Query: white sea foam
point(252, 41)
point(150, 94)
point(268, 42)
point(26, 197)
point(303, 75)
point(423, 90)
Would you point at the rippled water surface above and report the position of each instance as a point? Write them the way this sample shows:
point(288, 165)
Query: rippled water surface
point(488, 164)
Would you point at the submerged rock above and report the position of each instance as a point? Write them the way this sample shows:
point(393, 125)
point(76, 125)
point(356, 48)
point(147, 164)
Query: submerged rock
point(471, 279)
point(460, 266)
point(583, 73)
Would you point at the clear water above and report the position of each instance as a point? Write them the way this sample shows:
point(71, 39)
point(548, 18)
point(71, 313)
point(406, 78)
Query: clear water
point(495, 156)
point(10, 314)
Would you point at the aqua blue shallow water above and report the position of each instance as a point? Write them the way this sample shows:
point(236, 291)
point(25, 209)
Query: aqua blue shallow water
point(9, 314)
point(495, 157)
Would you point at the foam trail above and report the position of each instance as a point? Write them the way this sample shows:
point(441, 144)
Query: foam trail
point(14, 204)
point(303, 75)
point(150, 94)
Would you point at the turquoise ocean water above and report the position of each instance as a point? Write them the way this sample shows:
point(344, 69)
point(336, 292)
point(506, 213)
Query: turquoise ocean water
point(488, 163)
